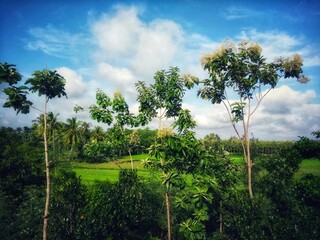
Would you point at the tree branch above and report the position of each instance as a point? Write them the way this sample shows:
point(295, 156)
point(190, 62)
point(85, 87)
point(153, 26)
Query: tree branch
point(259, 101)
point(230, 117)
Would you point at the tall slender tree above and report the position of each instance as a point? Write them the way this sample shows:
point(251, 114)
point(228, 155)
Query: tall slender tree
point(162, 100)
point(243, 70)
point(46, 83)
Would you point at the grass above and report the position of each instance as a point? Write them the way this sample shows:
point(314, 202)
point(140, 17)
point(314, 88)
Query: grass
point(237, 158)
point(310, 166)
point(98, 172)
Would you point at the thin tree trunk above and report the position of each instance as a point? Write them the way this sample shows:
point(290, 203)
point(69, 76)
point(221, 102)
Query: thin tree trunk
point(168, 215)
point(46, 208)
point(249, 161)
point(167, 193)
point(70, 152)
point(249, 168)
point(131, 159)
point(220, 220)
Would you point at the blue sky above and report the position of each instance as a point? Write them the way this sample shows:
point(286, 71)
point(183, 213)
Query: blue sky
point(113, 44)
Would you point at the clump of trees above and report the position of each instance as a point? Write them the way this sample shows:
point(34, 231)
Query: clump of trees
point(207, 197)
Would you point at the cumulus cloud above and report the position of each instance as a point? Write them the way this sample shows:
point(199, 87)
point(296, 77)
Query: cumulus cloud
point(300, 116)
point(113, 74)
point(143, 47)
point(117, 34)
point(75, 85)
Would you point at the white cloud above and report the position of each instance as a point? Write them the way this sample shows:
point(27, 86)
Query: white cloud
point(116, 78)
point(157, 47)
point(299, 116)
point(117, 75)
point(75, 86)
point(118, 34)
point(144, 48)
point(56, 42)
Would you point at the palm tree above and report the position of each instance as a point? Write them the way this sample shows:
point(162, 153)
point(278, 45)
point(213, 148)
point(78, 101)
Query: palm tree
point(97, 134)
point(85, 132)
point(53, 127)
point(72, 133)
point(38, 125)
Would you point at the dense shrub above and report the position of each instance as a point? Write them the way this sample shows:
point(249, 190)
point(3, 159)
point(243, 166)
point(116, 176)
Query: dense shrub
point(308, 148)
point(128, 209)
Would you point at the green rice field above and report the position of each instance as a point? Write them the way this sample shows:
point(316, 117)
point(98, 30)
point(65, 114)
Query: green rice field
point(100, 172)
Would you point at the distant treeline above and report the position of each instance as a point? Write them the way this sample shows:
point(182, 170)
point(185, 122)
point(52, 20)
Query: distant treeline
point(257, 147)
point(308, 148)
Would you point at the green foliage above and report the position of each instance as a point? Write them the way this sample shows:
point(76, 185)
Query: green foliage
point(166, 93)
point(194, 202)
point(237, 111)
point(17, 99)
point(181, 153)
point(100, 151)
point(212, 142)
point(125, 210)
point(9, 74)
point(308, 148)
point(147, 137)
point(108, 109)
point(68, 206)
point(48, 83)
point(316, 134)
point(45, 82)
point(204, 188)
point(28, 215)
point(280, 170)
point(247, 218)
point(184, 121)
point(169, 89)
point(20, 164)
point(282, 208)
point(21, 182)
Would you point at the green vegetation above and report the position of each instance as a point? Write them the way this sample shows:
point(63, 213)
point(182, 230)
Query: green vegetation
point(99, 172)
point(91, 173)
point(204, 191)
point(138, 184)
point(309, 166)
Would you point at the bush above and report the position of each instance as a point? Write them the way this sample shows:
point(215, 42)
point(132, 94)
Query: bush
point(128, 209)
point(308, 148)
